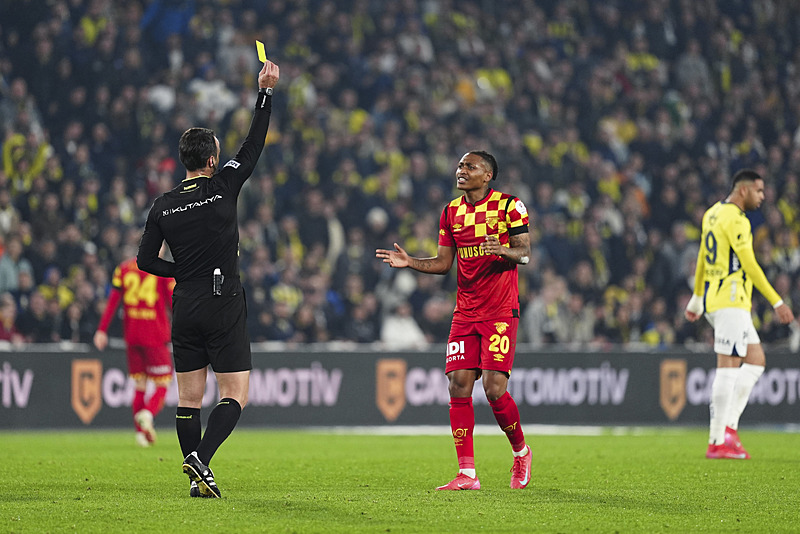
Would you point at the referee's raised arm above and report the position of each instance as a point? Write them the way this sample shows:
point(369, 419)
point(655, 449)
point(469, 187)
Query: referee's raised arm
point(253, 144)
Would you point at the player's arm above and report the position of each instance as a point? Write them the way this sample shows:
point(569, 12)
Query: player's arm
point(101, 335)
point(517, 251)
point(399, 258)
point(750, 265)
point(694, 309)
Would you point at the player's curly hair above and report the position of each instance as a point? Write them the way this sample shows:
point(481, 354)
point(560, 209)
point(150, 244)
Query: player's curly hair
point(195, 147)
point(489, 159)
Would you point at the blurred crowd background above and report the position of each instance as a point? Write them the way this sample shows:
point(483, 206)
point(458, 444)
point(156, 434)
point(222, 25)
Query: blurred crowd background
point(617, 123)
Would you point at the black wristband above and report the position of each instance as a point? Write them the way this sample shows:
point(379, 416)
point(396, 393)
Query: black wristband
point(264, 99)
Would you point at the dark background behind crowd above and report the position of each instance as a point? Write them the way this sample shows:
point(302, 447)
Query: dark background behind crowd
point(617, 123)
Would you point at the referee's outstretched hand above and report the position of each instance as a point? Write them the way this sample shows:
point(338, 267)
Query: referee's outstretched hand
point(269, 75)
point(395, 258)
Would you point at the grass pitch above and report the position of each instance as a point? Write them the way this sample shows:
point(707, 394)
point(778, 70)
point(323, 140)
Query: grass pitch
point(295, 481)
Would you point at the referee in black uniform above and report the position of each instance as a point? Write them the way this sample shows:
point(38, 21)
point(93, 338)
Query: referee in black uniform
point(198, 221)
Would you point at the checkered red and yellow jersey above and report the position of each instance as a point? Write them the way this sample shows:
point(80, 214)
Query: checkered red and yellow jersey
point(146, 301)
point(487, 284)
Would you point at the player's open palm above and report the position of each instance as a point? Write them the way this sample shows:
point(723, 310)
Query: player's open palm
point(395, 258)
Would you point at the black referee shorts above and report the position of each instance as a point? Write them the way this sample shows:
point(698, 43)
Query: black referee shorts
point(211, 331)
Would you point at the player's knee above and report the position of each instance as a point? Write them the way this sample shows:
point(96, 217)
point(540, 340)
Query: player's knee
point(494, 391)
point(458, 389)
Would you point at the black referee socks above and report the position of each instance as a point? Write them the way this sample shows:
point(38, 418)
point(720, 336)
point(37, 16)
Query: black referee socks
point(187, 423)
point(221, 422)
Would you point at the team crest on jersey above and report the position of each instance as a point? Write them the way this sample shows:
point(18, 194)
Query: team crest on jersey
point(491, 222)
point(501, 327)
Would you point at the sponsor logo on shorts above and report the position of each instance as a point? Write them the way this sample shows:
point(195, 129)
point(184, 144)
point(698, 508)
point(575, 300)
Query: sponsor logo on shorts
point(455, 351)
point(157, 370)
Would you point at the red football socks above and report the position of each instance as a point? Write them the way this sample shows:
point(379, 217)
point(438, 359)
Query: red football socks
point(156, 401)
point(138, 404)
point(507, 415)
point(462, 422)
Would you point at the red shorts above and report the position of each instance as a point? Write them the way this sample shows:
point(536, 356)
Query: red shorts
point(153, 362)
point(485, 345)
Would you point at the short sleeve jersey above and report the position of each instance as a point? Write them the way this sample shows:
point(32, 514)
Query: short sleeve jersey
point(487, 284)
point(145, 301)
point(726, 261)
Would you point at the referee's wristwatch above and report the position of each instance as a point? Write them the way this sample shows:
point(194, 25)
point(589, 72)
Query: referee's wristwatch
point(266, 90)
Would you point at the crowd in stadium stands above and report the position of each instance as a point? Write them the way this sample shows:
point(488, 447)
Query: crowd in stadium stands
point(617, 123)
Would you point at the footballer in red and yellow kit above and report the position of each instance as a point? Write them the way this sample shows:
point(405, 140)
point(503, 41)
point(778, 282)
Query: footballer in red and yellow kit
point(486, 316)
point(486, 233)
point(146, 303)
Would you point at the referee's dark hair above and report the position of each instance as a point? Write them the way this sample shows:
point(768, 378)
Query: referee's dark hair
point(195, 147)
point(488, 158)
point(744, 175)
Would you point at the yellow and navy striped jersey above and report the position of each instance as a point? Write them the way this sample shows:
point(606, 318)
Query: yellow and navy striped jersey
point(727, 268)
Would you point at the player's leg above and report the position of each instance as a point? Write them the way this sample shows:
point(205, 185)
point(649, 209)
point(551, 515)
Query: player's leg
point(497, 358)
point(158, 364)
point(159, 371)
point(721, 397)
point(139, 387)
point(463, 358)
point(730, 344)
point(138, 372)
point(748, 374)
point(506, 413)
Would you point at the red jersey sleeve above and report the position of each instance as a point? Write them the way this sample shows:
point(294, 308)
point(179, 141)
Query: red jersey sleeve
point(445, 232)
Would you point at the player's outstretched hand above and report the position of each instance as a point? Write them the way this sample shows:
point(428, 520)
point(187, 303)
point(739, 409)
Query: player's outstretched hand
point(395, 258)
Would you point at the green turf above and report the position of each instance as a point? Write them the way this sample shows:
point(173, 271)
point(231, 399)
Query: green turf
point(285, 481)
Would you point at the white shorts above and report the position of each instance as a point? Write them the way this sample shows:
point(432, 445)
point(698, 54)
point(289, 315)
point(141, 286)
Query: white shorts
point(733, 331)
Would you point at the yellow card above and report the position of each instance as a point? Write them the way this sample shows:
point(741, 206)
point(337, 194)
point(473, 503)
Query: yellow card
point(262, 53)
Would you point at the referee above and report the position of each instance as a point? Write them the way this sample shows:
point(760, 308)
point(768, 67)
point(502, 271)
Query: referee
point(198, 221)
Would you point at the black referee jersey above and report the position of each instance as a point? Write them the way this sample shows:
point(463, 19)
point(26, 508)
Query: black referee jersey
point(198, 220)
